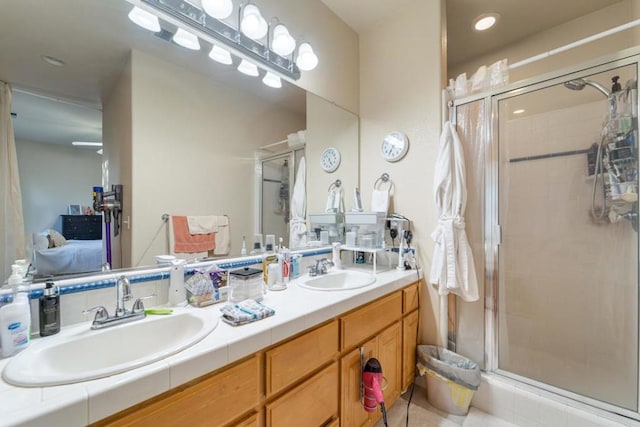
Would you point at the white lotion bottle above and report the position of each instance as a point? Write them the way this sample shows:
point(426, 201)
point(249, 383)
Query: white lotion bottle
point(177, 293)
point(15, 319)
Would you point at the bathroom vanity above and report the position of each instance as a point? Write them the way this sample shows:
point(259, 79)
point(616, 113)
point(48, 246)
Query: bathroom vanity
point(298, 367)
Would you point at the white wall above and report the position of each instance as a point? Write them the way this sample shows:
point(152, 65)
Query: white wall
point(400, 85)
point(193, 144)
point(51, 178)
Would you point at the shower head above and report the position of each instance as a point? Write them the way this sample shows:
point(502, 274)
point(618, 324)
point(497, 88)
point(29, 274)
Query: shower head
point(579, 84)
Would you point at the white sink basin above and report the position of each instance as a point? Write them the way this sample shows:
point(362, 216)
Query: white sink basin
point(338, 280)
point(82, 354)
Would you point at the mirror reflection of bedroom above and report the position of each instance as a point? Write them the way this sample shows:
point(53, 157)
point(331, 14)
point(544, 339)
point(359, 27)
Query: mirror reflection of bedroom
point(57, 170)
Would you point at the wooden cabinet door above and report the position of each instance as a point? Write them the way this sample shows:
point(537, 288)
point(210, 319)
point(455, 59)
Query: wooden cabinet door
point(352, 413)
point(390, 357)
point(313, 403)
point(409, 343)
point(216, 400)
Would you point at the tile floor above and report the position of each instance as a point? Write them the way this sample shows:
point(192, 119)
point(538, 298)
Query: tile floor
point(422, 414)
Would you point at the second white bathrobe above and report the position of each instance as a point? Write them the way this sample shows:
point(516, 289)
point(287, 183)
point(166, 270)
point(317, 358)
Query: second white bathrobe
point(452, 269)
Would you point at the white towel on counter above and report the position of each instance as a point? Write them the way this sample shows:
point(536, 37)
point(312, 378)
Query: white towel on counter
point(246, 311)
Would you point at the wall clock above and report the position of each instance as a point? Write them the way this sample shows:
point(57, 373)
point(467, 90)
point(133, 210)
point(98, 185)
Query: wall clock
point(394, 146)
point(330, 159)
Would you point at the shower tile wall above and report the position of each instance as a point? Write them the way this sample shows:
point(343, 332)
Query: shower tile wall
point(568, 292)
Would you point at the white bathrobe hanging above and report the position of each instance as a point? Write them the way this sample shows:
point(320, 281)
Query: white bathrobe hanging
point(298, 227)
point(452, 269)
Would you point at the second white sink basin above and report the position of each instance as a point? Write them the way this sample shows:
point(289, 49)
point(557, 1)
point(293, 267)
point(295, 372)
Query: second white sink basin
point(337, 280)
point(84, 354)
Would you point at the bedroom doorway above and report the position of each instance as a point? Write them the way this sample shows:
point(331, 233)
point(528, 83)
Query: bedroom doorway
point(56, 176)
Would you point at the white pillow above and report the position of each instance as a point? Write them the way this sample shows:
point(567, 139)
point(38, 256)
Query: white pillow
point(40, 241)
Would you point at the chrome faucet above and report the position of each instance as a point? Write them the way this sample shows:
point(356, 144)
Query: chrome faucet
point(320, 267)
point(122, 315)
point(123, 292)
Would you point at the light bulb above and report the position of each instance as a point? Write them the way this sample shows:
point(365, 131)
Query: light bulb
point(272, 80)
point(186, 39)
point(253, 24)
point(248, 68)
point(307, 60)
point(220, 55)
point(219, 9)
point(146, 20)
point(283, 44)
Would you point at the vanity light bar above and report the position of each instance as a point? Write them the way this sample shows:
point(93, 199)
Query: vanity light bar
point(184, 14)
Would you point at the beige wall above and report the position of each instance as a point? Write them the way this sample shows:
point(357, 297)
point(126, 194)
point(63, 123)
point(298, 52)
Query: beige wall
point(401, 81)
point(330, 126)
point(116, 164)
point(193, 150)
point(336, 76)
point(612, 16)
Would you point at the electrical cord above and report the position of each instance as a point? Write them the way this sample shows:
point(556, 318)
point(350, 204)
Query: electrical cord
point(413, 385)
point(384, 414)
point(150, 243)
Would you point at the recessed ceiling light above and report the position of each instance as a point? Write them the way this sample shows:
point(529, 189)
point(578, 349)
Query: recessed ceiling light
point(520, 111)
point(485, 21)
point(52, 60)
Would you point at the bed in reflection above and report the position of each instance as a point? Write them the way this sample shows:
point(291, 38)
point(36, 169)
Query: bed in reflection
point(78, 249)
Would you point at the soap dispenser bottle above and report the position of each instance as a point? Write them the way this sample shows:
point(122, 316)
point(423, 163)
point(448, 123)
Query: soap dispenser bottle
point(15, 319)
point(49, 311)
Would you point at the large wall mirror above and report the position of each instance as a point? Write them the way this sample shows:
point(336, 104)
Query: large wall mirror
point(180, 132)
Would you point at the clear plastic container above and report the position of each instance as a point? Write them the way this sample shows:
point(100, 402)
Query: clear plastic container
point(369, 228)
point(245, 283)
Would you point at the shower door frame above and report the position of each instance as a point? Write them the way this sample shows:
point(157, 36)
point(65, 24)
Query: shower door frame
point(492, 228)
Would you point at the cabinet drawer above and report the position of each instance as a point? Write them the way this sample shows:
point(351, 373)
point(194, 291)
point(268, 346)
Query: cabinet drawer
point(214, 401)
point(291, 361)
point(369, 320)
point(313, 403)
point(409, 298)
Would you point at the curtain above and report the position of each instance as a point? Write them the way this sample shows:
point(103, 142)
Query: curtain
point(12, 240)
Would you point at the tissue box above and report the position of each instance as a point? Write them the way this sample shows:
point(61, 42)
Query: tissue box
point(207, 287)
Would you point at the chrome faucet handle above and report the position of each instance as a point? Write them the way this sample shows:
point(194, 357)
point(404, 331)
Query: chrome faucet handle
point(101, 313)
point(312, 270)
point(126, 288)
point(138, 306)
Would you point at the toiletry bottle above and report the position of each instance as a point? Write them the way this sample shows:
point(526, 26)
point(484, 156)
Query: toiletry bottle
point(269, 257)
point(49, 311)
point(15, 320)
point(243, 251)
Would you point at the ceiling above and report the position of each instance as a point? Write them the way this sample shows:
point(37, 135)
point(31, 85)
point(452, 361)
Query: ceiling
point(518, 19)
point(95, 51)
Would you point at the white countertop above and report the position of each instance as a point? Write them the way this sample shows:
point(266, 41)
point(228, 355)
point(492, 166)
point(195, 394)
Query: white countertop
point(86, 402)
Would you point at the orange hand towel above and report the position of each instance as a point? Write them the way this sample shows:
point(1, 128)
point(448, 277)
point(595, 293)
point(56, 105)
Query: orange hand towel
point(184, 242)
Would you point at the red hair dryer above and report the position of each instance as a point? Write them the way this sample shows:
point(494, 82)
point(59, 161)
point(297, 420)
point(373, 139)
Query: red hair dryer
point(372, 382)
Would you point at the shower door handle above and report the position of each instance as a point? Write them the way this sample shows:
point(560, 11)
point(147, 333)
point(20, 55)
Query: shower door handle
point(498, 234)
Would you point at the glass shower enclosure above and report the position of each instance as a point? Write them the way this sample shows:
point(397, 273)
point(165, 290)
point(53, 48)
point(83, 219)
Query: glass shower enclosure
point(556, 238)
